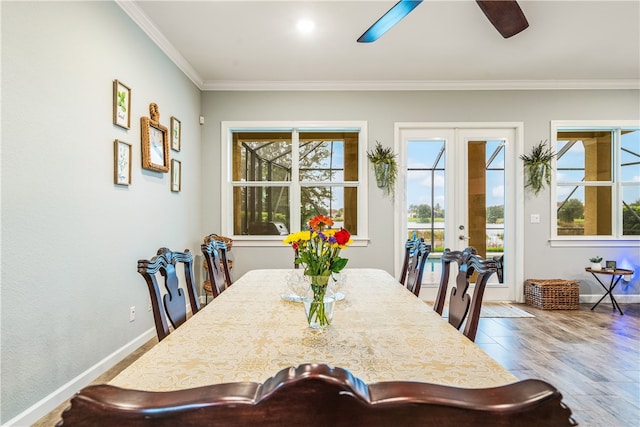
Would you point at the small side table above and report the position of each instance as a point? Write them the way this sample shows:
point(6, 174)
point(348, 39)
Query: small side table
point(616, 275)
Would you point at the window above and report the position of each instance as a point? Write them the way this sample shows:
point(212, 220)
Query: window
point(281, 176)
point(597, 182)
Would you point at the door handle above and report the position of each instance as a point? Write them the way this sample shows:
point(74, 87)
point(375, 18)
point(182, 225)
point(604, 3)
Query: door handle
point(463, 237)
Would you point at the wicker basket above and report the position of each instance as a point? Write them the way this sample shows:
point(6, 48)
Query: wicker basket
point(552, 294)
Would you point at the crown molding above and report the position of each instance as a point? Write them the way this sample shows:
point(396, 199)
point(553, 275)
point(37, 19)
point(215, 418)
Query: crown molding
point(419, 85)
point(138, 17)
point(134, 12)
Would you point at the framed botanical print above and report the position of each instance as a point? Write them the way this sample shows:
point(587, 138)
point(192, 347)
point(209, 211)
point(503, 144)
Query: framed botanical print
point(155, 142)
point(176, 130)
point(176, 175)
point(121, 105)
point(122, 163)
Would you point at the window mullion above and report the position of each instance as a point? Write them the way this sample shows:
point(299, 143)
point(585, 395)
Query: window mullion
point(296, 198)
point(616, 191)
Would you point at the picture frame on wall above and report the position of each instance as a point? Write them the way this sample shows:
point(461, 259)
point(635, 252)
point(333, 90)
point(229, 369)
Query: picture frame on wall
point(122, 163)
point(155, 142)
point(121, 105)
point(176, 133)
point(176, 175)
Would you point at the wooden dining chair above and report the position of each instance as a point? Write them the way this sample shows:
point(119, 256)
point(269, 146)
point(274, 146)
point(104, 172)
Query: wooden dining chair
point(415, 258)
point(408, 245)
point(448, 257)
point(319, 395)
point(217, 266)
point(461, 306)
point(171, 305)
point(499, 259)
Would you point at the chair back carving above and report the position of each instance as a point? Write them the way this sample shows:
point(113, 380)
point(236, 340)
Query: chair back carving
point(461, 306)
point(416, 252)
point(172, 305)
point(319, 395)
point(448, 257)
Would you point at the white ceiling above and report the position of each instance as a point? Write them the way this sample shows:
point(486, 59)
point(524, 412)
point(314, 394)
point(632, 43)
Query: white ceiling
point(254, 45)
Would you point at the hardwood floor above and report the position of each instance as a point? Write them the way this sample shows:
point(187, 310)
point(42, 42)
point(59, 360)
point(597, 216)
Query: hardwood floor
point(592, 357)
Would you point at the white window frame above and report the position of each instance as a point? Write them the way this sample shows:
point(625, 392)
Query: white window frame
point(617, 239)
point(226, 206)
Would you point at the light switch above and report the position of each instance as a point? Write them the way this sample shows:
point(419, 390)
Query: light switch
point(535, 218)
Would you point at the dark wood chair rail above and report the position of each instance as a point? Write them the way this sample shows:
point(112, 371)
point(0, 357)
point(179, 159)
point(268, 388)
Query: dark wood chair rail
point(319, 395)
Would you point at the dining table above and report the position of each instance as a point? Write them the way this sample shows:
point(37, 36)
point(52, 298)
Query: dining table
point(380, 332)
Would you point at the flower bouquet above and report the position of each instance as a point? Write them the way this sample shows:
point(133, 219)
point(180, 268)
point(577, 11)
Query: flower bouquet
point(318, 251)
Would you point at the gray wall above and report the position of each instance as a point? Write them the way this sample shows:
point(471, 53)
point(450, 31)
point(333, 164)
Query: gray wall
point(382, 110)
point(70, 237)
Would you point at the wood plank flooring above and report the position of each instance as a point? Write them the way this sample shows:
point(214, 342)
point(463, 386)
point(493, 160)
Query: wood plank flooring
point(592, 357)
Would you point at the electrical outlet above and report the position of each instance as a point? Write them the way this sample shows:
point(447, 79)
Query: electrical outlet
point(132, 313)
point(535, 218)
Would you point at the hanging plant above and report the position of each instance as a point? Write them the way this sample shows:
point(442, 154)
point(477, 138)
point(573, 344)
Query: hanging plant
point(383, 161)
point(537, 167)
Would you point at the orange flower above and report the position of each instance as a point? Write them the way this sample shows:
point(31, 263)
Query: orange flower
point(318, 222)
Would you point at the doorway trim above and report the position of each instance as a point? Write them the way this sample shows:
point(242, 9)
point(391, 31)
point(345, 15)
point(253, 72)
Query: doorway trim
point(514, 184)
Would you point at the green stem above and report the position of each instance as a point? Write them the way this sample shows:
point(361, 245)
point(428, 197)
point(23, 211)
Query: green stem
point(317, 307)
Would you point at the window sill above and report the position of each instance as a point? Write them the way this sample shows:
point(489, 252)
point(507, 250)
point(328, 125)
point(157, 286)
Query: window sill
point(276, 241)
point(590, 242)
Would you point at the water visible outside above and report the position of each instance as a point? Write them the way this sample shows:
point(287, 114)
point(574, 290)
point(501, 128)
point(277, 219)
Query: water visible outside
point(432, 269)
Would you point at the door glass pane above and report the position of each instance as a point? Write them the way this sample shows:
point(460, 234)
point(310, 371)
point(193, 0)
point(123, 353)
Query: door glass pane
point(495, 202)
point(485, 192)
point(426, 199)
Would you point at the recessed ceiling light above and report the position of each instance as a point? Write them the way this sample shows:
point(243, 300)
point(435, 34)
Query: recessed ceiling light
point(305, 26)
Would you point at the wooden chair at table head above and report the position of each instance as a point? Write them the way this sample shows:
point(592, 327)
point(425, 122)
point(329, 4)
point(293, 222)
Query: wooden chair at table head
point(319, 395)
point(217, 266)
point(415, 258)
point(448, 257)
point(461, 306)
point(172, 305)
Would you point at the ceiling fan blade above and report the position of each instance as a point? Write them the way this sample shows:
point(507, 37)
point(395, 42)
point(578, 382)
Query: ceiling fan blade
point(505, 15)
point(388, 20)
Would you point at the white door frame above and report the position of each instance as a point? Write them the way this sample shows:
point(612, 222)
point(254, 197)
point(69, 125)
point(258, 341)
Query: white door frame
point(514, 196)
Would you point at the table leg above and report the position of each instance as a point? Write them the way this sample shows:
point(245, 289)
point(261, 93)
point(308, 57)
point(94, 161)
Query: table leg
point(611, 288)
point(609, 291)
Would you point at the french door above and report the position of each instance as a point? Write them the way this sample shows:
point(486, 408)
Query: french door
point(458, 189)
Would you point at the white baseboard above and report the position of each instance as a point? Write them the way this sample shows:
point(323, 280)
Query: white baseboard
point(66, 391)
point(622, 299)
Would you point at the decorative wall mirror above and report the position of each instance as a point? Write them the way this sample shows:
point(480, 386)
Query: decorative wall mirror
point(155, 141)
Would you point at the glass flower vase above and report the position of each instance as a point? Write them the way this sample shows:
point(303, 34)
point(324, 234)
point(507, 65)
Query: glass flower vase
point(319, 303)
